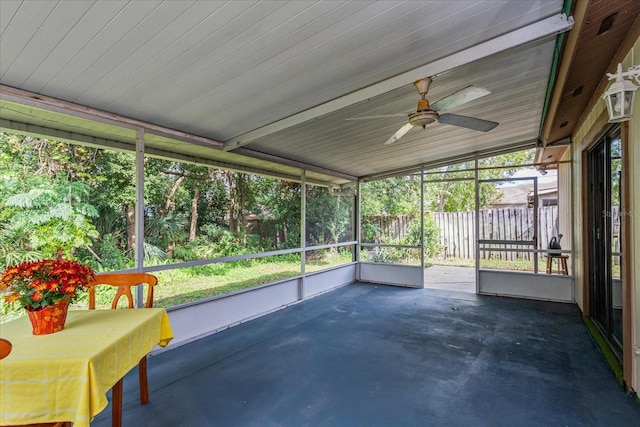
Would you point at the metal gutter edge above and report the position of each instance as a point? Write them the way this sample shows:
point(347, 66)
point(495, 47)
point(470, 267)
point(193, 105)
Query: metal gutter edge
point(553, 74)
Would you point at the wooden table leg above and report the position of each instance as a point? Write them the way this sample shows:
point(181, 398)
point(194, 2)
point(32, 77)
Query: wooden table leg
point(144, 386)
point(549, 264)
point(116, 404)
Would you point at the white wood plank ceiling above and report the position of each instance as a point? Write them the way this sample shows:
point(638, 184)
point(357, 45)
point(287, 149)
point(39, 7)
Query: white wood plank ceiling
point(252, 73)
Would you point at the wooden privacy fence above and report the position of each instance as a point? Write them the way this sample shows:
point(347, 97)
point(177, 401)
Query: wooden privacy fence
point(389, 226)
point(457, 235)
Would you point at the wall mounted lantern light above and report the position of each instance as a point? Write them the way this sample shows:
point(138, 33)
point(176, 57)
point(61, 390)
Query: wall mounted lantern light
point(619, 96)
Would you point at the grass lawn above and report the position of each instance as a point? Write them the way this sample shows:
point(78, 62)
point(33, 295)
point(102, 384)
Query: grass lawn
point(191, 284)
point(179, 287)
point(493, 264)
point(185, 285)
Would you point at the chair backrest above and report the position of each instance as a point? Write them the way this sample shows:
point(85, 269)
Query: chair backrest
point(5, 348)
point(124, 282)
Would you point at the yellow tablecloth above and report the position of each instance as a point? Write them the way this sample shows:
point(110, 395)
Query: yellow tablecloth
point(65, 376)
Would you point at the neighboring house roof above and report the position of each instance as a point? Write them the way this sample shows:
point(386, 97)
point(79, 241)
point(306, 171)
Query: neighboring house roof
point(518, 195)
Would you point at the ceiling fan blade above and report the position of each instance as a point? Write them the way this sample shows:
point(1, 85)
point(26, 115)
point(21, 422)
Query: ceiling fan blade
point(467, 122)
point(460, 97)
point(399, 134)
point(379, 116)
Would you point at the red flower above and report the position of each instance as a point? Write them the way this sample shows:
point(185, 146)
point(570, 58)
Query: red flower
point(37, 284)
point(11, 298)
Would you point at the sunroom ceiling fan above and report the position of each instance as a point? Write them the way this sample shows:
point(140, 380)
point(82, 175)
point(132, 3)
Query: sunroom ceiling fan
point(426, 114)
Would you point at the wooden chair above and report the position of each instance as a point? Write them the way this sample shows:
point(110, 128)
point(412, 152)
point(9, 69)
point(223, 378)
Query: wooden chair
point(5, 348)
point(124, 282)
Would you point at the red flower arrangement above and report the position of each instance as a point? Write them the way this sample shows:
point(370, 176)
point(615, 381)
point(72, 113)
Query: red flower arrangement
point(38, 284)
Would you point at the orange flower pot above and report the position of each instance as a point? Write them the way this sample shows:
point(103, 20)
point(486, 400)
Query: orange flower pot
point(49, 319)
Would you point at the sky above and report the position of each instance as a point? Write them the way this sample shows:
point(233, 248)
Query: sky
point(551, 175)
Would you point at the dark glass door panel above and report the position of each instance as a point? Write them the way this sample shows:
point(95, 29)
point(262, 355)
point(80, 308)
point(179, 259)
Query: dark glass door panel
point(615, 243)
point(604, 172)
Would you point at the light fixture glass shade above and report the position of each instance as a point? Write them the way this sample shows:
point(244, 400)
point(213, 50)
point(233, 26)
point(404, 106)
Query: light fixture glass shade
point(619, 100)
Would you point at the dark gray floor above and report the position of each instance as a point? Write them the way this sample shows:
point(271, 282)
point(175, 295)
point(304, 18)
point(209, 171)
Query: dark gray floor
point(367, 355)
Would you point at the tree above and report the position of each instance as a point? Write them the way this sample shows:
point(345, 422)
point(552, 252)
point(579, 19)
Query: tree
point(391, 196)
point(329, 216)
point(457, 196)
point(45, 203)
point(278, 202)
point(114, 195)
point(55, 214)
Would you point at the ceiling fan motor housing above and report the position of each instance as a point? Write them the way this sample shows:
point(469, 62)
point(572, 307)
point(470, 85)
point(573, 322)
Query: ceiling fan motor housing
point(424, 115)
point(423, 118)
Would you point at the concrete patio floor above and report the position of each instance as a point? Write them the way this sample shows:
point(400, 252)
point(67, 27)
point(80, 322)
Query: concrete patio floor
point(450, 278)
point(371, 355)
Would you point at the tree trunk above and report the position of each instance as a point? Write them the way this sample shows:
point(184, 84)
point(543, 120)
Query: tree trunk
point(170, 249)
point(131, 226)
point(170, 203)
point(240, 187)
point(442, 197)
point(234, 190)
point(233, 225)
point(194, 213)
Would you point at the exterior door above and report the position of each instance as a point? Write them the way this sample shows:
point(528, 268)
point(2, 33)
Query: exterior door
point(604, 171)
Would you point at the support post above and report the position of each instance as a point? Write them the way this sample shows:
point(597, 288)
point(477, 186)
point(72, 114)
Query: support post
point(303, 232)
point(139, 214)
point(422, 225)
point(477, 222)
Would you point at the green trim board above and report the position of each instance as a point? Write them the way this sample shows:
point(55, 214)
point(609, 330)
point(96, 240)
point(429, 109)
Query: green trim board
point(600, 341)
